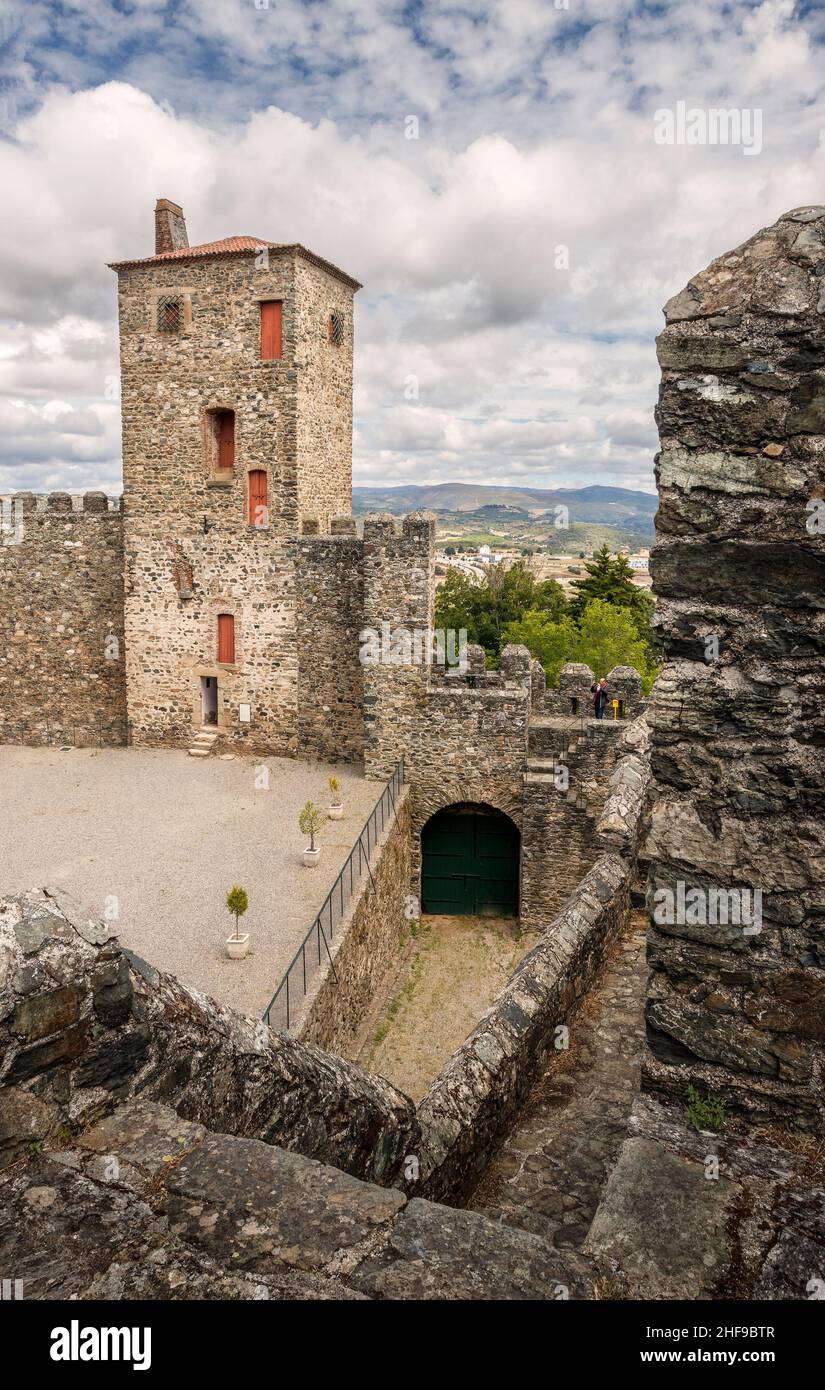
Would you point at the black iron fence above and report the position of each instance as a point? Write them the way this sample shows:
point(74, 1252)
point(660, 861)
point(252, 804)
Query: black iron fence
point(282, 1008)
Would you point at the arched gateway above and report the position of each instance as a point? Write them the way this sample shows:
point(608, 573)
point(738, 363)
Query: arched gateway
point(470, 861)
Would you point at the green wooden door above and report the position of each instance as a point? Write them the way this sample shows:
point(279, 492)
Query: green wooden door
point(470, 863)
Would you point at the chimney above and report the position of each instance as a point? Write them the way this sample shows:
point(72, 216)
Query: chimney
point(170, 227)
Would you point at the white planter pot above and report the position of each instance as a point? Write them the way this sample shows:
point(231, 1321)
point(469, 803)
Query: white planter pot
point(335, 812)
point(237, 946)
point(311, 857)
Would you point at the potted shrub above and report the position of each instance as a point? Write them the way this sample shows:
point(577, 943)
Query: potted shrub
point(237, 945)
point(336, 805)
point(309, 823)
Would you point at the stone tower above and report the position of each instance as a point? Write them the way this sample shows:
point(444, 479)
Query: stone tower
point(236, 367)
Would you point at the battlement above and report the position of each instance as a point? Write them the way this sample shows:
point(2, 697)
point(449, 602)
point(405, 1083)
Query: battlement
point(61, 621)
point(76, 503)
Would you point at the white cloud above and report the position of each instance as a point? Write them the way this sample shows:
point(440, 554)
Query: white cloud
point(529, 142)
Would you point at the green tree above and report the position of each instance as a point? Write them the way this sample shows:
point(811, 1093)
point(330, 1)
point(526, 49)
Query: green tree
point(310, 821)
point(551, 642)
point(237, 902)
point(609, 577)
point(608, 637)
point(487, 607)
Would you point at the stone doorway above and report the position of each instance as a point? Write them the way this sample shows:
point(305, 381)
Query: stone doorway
point(209, 700)
point(470, 862)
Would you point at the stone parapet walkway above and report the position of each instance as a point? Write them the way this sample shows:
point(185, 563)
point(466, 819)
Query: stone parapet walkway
point(550, 1172)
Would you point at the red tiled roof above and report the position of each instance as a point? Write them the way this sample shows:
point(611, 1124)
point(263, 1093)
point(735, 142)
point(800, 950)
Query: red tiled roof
point(233, 246)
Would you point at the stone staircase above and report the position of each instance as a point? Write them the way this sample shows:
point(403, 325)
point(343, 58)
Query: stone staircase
point(553, 742)
point(549, 745)
point(205, 740)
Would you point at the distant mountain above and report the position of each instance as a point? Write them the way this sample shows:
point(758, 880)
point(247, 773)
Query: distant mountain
point(619, 507)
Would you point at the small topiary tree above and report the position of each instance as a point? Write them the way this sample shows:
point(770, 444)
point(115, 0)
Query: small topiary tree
point(237, 902)
point(310, 822)
point(334, 787)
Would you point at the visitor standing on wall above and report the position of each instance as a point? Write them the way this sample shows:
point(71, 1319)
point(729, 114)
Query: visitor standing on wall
point(600, 696)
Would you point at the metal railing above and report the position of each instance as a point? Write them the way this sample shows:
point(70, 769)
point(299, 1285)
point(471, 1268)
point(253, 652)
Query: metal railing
point(281, 1008)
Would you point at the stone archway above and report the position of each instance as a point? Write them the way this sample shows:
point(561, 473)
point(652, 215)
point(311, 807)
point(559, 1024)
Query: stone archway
point(470, 855)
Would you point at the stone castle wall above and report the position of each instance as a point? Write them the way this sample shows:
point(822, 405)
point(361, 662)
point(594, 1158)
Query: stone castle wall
point(62, 675)
point(323, 454)
point(559, 816)
point(329, 586)
point(737, 716)
point(487, 1080)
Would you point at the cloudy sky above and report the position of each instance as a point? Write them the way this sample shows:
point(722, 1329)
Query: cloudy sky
point(488, 169)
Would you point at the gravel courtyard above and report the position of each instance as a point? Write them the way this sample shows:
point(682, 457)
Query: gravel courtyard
point(167, 836)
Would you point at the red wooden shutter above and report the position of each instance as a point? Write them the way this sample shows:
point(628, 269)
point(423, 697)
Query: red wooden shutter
point(226, 439)
point(270, 329)
point(226, 638)
point(257, 498)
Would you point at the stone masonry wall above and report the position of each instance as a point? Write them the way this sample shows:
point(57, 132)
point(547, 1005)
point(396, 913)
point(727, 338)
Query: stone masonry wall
point(399, 580)
point(368, 943)
point(470, 1103)
point(61, 623)
point(330, 599)
point(478, 736)
point(86, 1024)
point(323, 456)
point(737, 716)
point(559, 817)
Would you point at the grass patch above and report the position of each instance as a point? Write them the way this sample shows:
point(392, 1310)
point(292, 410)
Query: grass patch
point(704, 1112)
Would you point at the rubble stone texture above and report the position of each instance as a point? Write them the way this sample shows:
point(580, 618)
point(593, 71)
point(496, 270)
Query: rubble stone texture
point(61, 622)
point(737, 716)
point(147, 1205)
point(86, 1025)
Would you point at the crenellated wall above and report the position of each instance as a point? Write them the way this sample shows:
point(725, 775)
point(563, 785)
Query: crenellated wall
point(61, 621)
point(736, 1003)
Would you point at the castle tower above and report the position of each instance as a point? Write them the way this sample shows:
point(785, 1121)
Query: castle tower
point(236, 368)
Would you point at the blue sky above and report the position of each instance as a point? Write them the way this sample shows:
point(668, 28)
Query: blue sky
point(515, 254)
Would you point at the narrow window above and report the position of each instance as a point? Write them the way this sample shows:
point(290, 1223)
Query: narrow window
point(226, 638)
point(336, 328)
point(271, 323)
point(170, 314)
point(258, 507)
point(226, 438)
